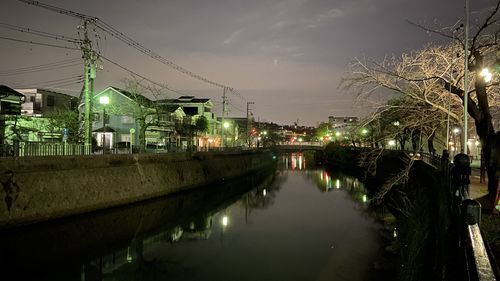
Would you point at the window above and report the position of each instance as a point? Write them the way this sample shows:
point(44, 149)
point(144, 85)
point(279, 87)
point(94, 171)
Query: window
point(51, 100)
point(32, 98)
point(127, 120)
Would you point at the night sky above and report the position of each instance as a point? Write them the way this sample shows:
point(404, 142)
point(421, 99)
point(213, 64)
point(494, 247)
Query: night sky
point(286, 56)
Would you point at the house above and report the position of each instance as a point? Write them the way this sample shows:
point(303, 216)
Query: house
point(194, 108)
point(165, 132)
point(10, 101)
point(116, 114)
point(37, 122)
point(39, 102)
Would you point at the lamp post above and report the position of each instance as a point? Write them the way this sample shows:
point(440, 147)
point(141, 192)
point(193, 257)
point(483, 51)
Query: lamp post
point(103, 100)
point(466, 75)
point(449, 96)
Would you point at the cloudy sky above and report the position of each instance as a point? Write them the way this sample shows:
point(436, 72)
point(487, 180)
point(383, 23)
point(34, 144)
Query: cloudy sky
point(287, 56)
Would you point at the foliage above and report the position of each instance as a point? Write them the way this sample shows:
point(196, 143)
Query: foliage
point(322, 130)
point(201, 124)
point(64, 119)
point(141, 108)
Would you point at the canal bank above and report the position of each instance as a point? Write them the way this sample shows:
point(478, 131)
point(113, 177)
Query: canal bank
point(42, 188)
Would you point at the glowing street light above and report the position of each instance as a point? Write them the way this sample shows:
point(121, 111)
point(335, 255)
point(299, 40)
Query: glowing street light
point(392, 143)
point(225, 221)
point(486, 74)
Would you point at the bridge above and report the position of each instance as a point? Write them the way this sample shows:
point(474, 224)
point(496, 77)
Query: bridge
point(300, 146)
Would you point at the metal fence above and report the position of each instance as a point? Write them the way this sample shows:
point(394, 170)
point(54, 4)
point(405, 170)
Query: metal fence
point(21, 149)
point(477, 258)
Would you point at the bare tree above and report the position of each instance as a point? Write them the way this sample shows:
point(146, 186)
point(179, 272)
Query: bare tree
point(433, 77)
point(140, 106)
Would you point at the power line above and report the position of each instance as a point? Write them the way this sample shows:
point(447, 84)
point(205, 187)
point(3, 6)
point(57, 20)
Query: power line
point(141, 76)
point(39, 33)
point(131, 42)
point(53, 83)
point(238, 94)
point(57, 10)
point(46, 67)
point(134, 44)
point(127, 40)
point(38, 43)
point(237, 108)
point(60, 80)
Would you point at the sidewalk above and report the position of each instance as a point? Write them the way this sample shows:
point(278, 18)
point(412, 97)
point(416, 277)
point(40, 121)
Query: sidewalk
point(478, 190)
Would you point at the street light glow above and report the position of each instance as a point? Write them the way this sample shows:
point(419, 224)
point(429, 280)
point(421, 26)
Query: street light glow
point(225, 221)
point(226, 125)
point(104, 100)
point(486, 74)
point(392, 143)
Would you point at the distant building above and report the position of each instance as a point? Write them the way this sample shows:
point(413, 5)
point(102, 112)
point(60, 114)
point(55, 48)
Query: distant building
point(39, 102)
point(342, 122)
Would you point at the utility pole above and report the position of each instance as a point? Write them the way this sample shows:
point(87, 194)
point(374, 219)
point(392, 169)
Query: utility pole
point(89, 58)
point(223, 113)
point(249, 122)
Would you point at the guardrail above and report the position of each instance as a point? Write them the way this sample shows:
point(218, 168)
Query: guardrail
point(478, 260)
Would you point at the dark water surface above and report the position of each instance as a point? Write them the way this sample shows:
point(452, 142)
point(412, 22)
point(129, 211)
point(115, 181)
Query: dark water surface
point(295, 224)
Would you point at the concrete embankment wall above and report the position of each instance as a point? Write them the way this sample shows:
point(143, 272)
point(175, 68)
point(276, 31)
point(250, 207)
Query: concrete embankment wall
point(42, 188)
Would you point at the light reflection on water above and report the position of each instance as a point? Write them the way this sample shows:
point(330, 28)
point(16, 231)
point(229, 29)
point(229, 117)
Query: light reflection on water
point(306, 224)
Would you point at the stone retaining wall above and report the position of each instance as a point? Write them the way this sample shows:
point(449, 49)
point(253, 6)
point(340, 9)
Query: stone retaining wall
point(42, 188)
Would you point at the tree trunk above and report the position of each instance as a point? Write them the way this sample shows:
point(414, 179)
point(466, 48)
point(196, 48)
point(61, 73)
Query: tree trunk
point(142, 135)
point(430, 143)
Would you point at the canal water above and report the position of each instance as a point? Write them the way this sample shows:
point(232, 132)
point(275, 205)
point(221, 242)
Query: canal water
point(295, 223)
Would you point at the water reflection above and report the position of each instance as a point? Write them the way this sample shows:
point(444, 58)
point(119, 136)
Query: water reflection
point(294, 161)
point(299, 224)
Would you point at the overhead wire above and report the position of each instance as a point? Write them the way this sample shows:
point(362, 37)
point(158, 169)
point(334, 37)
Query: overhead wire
point(38, 43)
point(59, 80)
point(41, 68)
point(130, 42)
point(118, 35)
point(141, 76)
point(237, 108)
point(39, 33)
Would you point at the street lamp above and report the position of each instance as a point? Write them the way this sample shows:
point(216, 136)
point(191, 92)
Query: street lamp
point(103, 100)
point(451, 76)
point(466, 76)
point(486, 74)
point(225, 125)
point(392, 143)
